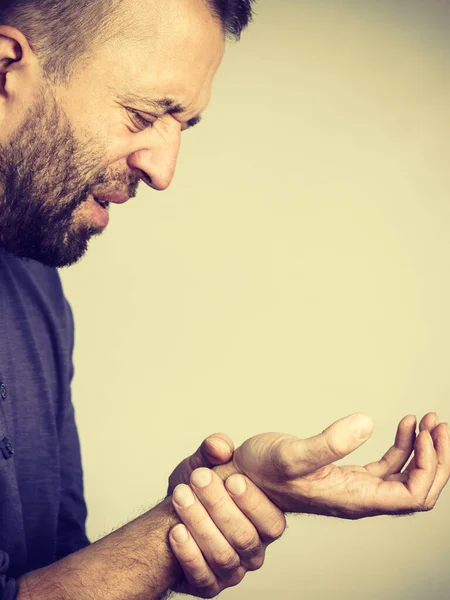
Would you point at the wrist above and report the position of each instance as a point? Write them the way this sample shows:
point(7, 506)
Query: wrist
point(226, 470)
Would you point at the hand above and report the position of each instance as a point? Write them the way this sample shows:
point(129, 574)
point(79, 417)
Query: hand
point(221, 538)
point(217, 449)
point(297, 475)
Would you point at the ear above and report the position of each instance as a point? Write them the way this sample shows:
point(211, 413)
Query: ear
point(20, 75)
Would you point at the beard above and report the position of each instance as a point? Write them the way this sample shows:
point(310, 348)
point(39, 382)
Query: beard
point(46, 174)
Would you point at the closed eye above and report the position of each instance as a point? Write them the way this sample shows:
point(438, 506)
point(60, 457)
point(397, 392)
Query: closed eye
point(138, 120)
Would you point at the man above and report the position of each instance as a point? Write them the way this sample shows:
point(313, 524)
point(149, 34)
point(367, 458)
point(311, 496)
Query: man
point(94, 96)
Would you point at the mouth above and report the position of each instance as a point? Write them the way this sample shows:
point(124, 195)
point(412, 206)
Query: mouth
point(97, 211)
point(105, 197)
point(103, 203)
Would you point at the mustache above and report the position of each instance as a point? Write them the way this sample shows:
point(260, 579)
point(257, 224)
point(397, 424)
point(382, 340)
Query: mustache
point(122, 183)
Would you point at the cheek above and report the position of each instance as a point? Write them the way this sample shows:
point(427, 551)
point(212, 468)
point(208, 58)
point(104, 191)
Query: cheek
point(97, 127)
point(109, 143)
point(117, 141)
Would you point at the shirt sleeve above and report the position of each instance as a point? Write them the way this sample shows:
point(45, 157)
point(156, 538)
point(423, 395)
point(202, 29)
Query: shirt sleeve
point(8, 586)
point(71, 535)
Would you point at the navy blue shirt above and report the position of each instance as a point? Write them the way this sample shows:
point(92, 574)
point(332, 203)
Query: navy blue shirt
point(42, 507)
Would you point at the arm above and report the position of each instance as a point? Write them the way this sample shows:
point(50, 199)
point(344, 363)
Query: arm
point(137, 563)
point(299, 476)
point(71, 533)
point(133, 563)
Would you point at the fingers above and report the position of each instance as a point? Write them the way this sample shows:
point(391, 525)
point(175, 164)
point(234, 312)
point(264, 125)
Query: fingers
point(441, 440)
point(395, 458)
point(267, 518)
point(237, 529)
point(429, 472)
point(428, 422)
point(421, 478)
point(215, 450)
point(221, 538)
point(301, 457)
point(404, 493)
point(222, 532)
point(201, 579)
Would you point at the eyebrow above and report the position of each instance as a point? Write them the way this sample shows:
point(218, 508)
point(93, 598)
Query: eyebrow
point(165, 105)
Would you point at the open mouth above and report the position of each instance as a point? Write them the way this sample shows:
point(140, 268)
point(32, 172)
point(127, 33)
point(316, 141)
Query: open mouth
point(102, 204)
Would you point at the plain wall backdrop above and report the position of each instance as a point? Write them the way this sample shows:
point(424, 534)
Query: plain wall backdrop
point(296, 271)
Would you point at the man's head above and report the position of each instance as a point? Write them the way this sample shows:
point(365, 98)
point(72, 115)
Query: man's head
point(93, 97)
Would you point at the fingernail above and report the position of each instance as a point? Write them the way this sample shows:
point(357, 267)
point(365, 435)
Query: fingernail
point(201, 477)
point(218, 443)
point(180, 534)
point(236, 484)
point(183, 495)
point(362, 425)
point(448, 429)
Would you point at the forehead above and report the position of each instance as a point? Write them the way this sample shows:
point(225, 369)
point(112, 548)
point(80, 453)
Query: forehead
point(169, 48)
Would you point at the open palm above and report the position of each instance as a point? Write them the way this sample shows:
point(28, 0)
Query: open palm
point(297, 475)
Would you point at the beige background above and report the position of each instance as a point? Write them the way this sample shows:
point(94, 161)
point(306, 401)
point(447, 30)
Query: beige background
point(297, 271)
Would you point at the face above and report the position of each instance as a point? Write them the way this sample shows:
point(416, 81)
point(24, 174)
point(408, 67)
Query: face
point(70, 151)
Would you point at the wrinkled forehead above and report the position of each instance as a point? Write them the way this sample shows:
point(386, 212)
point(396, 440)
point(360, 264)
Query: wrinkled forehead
point(169, 47)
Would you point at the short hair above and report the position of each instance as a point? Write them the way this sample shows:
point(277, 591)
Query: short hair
point(235, 15)
point(60, 32)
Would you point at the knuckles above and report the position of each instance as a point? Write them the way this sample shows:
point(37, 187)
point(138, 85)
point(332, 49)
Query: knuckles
point(205, 585)
point(246, 542)
point(276, 529)
point(227, 561)
point(204, 588)
point(212, 590)
point(255, 562)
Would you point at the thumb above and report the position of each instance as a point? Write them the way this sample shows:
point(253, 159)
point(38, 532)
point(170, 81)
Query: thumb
point(217, 449)
point(336, 441)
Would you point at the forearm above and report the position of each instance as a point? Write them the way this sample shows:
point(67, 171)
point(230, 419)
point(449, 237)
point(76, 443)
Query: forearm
point(133, 563)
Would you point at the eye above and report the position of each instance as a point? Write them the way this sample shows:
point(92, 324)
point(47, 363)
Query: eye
point(138, 120)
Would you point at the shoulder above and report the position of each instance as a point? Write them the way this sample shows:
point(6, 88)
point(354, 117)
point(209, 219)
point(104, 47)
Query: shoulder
point(39, 288)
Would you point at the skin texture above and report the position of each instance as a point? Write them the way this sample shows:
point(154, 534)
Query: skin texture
point(97, 135)
point(350, 491)
point(232, 537)
point(136, 561)
point(39, 215)
point(58, 143)
point(300, 477)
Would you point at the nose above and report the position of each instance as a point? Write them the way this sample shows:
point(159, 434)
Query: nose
point(156, 162)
